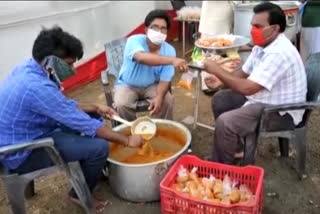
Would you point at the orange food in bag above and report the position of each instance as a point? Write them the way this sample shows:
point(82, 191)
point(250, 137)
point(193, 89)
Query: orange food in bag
point(186, 80)
point(185, 84)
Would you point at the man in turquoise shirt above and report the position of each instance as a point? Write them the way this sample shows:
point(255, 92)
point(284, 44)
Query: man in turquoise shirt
point(148, 66)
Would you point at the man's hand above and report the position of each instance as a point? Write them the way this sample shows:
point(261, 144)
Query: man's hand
point(180, 64)
point(155, 105)
point(210, 66)
point(105, 111)
point(135, 141)
point(213, 82)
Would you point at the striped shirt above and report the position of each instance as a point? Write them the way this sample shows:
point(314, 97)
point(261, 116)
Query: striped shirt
point(32, 105)
point(280, 70)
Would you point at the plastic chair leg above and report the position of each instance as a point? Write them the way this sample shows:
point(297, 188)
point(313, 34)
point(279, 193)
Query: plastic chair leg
point(300, 144)
point(284, 146)
point(29, 191)
point(250, 144)
point(80, 187)
point(15, 187)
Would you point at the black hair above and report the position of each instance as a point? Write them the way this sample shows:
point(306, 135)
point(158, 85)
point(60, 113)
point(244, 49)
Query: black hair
point(56, 42)
point(154, 14)
point(276, 14)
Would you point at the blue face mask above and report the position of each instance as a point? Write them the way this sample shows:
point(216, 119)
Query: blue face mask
point(58, 69)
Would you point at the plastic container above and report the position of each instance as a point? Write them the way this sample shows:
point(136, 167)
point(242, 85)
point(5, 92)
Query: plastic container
point(173, 202)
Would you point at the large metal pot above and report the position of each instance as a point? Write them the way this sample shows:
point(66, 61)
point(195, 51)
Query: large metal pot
point(243, 13)
point(140, 182)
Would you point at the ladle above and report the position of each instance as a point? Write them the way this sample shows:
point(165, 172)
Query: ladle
point(138, 130)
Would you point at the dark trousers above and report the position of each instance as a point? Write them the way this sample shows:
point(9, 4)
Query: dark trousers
point(91, 152)
point(234, 122)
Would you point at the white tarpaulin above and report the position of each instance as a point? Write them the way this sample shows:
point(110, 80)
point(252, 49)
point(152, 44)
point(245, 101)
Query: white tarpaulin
point(94, 22)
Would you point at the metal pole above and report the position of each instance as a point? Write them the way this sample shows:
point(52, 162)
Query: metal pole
point(183, 38)
point(197, 99)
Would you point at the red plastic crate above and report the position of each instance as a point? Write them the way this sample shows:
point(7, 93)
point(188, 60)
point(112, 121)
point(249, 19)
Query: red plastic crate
point(173, 202)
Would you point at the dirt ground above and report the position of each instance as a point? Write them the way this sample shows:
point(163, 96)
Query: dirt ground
point(291, 195)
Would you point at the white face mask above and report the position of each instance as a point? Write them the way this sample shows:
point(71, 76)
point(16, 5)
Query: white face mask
point(156, 37)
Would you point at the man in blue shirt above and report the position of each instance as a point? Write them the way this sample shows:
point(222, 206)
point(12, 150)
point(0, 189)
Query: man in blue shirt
point(33, 107)
point(148, 66)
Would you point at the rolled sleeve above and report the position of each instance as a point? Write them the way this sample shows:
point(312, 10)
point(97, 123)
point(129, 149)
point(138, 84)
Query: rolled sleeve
point(268, 72)
point(248, 65)
point(52, 103)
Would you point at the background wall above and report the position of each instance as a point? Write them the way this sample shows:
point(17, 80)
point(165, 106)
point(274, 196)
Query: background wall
point(94, 22)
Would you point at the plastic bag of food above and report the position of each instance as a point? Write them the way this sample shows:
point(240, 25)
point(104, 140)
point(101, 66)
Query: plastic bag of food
point(234, 195)
point(218, 188)
point(186, 80)
point(193, 189)
point(227, 185)
point(183, 175)
point(194, 176)
point(245, 193)
point(177, 187)
point(208, 182)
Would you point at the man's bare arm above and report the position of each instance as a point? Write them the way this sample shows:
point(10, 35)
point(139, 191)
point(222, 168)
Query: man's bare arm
point(152, 59)
point(240, 74)
point(155, 60)
point(237, 81)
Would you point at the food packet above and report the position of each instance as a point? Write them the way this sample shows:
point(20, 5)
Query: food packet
point(225, 200)
point(208, 193)
point(186, 80)
point(245, 194)
point(183, 175)
point(218, 187)
point(201, 189)
point(234, 195)
point(208, 182)
point(193, 189)
point(227, 185)
point(177, 187)
point(194, 176)
point(195, 193)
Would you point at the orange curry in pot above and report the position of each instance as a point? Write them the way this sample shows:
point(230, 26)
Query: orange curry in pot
point(164, 144)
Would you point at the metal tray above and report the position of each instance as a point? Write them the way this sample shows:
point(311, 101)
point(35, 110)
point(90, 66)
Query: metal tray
point(237, 43)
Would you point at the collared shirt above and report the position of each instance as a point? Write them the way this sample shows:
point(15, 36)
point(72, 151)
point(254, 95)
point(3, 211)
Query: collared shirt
point(32, 105)
point(280, 70)
point(135, 74)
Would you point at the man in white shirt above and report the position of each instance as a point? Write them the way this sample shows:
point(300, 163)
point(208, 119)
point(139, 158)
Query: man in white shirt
point(273, 74)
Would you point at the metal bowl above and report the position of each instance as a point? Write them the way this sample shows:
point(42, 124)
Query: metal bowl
point(140, 182)
point(238, 42)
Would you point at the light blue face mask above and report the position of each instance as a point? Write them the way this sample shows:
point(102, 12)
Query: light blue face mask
point(58, 69)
